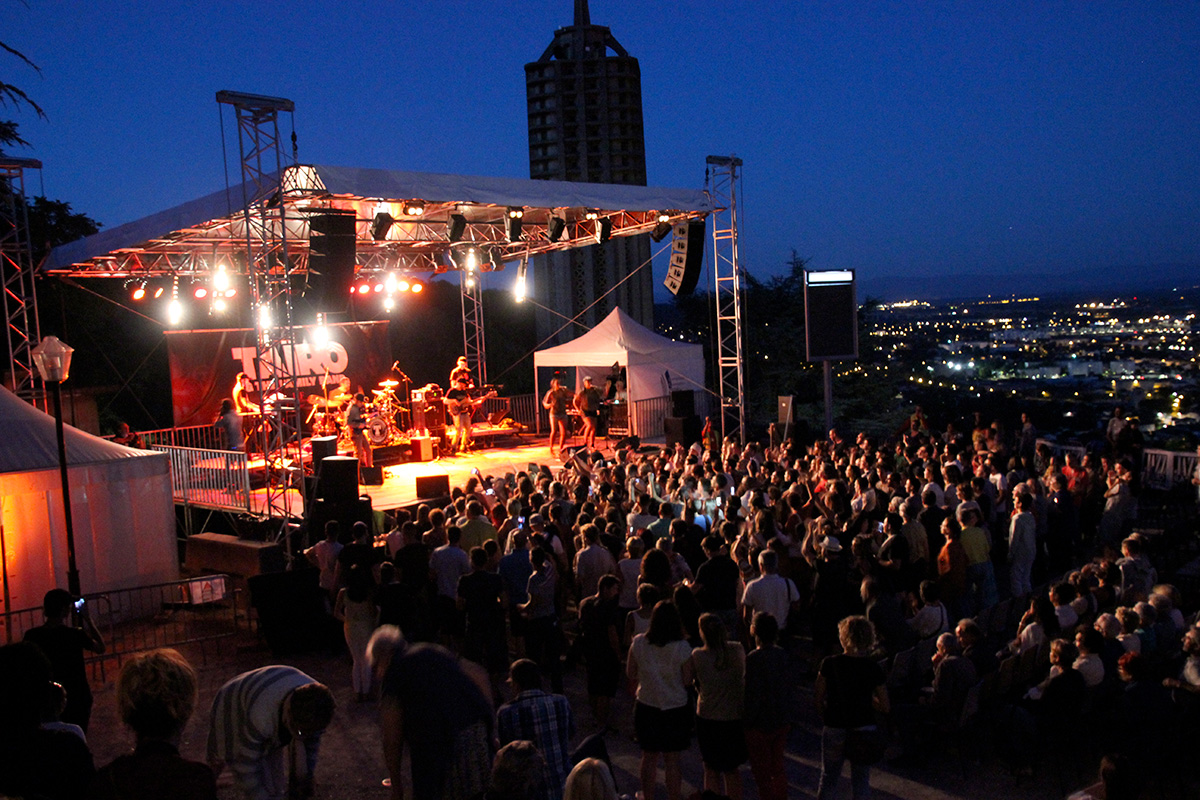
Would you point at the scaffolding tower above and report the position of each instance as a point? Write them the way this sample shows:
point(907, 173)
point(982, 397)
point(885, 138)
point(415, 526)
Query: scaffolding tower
point(474, 347)
point(270, 273)
point(16, 267)
point(723, 181)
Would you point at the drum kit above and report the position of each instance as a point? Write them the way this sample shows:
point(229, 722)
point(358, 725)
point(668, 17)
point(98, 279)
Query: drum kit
point(383, 414)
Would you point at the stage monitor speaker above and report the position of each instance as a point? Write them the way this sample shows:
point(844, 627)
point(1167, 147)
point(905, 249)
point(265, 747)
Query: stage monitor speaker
point(687, 257)
point(322, 448)
point(430, 486)
point(339, 479)
point(830, 318)
point(346, 512)
point(331, 261)
point(371, 476)
point(496, 417)
point(682, 430)
point(683, 403)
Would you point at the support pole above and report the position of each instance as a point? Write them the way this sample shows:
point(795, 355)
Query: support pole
point(828, 369)
point(72, 569)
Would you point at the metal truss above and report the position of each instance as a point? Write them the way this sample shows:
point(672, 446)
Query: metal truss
point(264, 231)
point(724, 183)
point(16, 268)
point(474, 347)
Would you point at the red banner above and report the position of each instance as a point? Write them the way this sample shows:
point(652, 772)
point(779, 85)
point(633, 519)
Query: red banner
point(205, 364)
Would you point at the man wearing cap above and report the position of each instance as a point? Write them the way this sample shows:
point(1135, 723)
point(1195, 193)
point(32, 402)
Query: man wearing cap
point(587, 403)
point(461, 373)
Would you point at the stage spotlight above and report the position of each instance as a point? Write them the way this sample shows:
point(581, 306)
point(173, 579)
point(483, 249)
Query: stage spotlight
point(139, 291)
point(555, 227)
point(472, 259)
point(520, 288)
point(417, 287)
point(230, 292)
point(456, 227)
point(174, 311)
point(264, 316)
point(200, 292)
point(158, 292)
point(591, 213)
point(414, 208)
point(381, 225)
point(605, 230)
point(389, 303)
point(221, 279)
point(512, 224)
point(219, 305)
point(320, 333)
point(470, 281)
point(403, 285)
point(377, 287)
point(363, 288)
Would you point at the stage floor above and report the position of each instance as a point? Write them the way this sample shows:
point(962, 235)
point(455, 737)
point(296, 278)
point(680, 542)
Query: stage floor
point(399, 488)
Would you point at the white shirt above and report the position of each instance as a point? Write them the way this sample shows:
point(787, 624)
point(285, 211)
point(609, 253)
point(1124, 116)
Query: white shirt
point(660, 672)
point(773, 594)
point(1091, 668)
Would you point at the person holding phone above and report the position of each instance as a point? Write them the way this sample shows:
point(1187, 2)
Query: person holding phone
point(63, 644)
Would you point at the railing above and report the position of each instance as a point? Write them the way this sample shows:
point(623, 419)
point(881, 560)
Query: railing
point(197, 611)
point(1161, 469)
point(210, 477)
point(646, 416)
point(198, 436)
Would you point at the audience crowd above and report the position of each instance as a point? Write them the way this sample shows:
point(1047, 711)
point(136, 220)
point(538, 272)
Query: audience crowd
point(915, 584)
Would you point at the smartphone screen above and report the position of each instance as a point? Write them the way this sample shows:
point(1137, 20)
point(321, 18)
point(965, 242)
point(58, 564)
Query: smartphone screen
point(79, 604)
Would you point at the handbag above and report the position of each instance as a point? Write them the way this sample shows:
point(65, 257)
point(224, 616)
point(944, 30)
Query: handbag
point(865, 745)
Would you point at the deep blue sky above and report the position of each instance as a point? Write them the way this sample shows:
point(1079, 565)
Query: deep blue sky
point(888, 137)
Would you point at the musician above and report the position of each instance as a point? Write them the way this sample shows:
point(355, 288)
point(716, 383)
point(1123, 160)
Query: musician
point(356, 421)
point(241, 395)
point(616, 376)
point(460, 406)
point(462, 372)
point(587, 403)
point(555, 402)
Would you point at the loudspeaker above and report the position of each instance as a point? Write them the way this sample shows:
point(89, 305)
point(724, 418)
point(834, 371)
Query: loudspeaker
point(629, 441)
point(422, 448)
point(322, 448)
point(331, 261)
point(291, 610)
point(830, 320)
point(433, 486)
point(338, 482)
point(371, 476)
point(496, 417)
point(683, 403)
point(347, 513)
point(682, 430)
point(687, 257)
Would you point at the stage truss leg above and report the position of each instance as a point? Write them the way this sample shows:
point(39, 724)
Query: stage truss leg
point(724, 182)
point(471, 290)
point(16, 265)
point(270, 273)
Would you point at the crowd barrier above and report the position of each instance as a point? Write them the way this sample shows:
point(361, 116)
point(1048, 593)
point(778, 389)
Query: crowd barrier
point(1161, 469)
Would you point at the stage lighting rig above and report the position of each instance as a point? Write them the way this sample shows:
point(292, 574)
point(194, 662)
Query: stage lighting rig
point(512, 223)
point(414, 208)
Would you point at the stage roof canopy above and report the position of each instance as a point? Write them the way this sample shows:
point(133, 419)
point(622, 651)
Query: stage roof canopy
point(408, 221)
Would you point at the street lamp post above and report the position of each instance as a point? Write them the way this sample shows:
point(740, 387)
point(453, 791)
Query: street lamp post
point(53, 361)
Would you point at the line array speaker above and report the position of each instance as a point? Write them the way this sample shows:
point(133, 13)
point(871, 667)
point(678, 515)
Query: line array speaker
point(687, 257)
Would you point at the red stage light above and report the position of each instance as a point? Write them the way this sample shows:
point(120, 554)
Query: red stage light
point(416, 287)
point(200, 293)
point(139, 293)
point(364, 288)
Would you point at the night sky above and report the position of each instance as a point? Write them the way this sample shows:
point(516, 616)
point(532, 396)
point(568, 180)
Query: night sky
point(889, 137)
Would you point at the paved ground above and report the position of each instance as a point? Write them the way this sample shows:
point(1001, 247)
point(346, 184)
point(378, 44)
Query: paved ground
point(351, 764)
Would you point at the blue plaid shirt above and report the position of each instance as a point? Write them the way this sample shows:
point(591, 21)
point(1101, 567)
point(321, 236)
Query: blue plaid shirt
point(544, 719)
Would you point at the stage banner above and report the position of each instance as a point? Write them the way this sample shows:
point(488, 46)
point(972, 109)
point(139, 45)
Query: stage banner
point(205, 364)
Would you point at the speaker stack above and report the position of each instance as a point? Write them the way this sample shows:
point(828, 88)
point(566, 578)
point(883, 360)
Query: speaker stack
point(687, 257)
point(337, 498)
point(332, 249)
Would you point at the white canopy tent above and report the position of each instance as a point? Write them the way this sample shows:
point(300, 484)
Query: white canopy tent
point(654, 364)
point(121, 510)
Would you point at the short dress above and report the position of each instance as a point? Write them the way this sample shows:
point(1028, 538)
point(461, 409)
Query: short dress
point(662, 717)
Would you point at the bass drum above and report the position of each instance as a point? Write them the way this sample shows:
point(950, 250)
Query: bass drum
point(378, 431)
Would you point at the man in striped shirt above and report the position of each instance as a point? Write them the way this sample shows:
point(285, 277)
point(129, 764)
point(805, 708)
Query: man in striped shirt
point(259, 716)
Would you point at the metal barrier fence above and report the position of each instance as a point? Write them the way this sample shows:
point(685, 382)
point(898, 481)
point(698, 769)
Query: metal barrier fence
point(646, 416)
point(1161, 469)
point(199, 436)
point(211, 477)
point(197, 611)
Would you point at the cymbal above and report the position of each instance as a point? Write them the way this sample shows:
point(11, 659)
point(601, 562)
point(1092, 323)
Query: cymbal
point(389, 383)
point(379, 391)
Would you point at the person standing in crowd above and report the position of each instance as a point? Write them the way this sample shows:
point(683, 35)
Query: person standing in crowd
point(600, 623)
point(261, 716)
point(324, 556)
point(770, 591)
point(541, 718)
point(555, 401)
point(156, 695)
point(63, 645)
point(229, 425)
point(660, 666)
point(358, 611)
point(720, 670)
point(448, 564)
point(587, 403)
point(543, 636)
point(481, 602)
point(767, 697)
point(850, 690)
point(1022, 545)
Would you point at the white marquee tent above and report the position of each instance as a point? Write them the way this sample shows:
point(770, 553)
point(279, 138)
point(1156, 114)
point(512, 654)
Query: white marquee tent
point(655, 365)
point(121, 510)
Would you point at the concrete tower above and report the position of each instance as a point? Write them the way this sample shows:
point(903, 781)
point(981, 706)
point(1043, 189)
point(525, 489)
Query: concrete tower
point(584, 99)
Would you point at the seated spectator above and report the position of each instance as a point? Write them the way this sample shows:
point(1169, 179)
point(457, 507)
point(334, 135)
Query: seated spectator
point(156, 695)
point(1038, 626)
point(1118, 781)
point(517, 772)
point(1130, 622)
point(1188, 678)
point(1061, 595)
point(591, 779)
point(971, 640)
point(1109, 627)
point(932, 618)
point(1089, 642)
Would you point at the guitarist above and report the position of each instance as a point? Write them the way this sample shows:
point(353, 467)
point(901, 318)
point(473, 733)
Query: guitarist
point(461, 408)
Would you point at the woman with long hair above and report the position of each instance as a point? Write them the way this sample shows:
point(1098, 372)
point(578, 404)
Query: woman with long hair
point(359, 614)
point(720, 670)
point(660, 664)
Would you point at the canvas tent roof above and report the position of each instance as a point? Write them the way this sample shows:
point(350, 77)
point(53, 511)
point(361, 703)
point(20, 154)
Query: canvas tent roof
point(31, 442)
point(158, 243)
point(618, 338)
